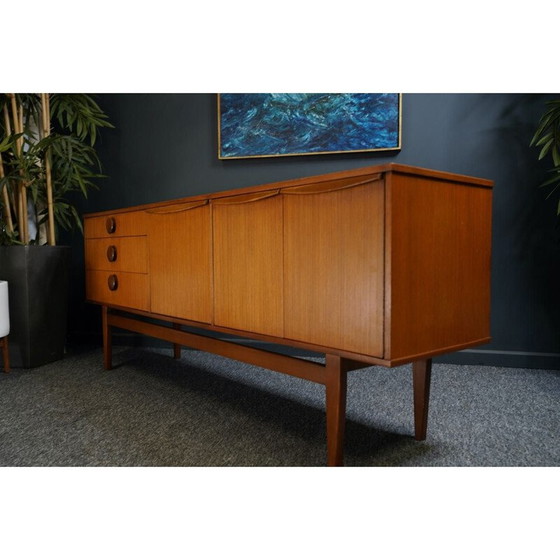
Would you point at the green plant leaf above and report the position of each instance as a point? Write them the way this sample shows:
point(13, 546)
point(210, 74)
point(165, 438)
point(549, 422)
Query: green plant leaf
point(543, 125)
point(550, 181)
point(545, 138)
point(556, 155)
point(552, 191)
point(546, 148)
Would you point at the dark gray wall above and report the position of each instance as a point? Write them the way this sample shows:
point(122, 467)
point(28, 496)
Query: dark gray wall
point(165, 146)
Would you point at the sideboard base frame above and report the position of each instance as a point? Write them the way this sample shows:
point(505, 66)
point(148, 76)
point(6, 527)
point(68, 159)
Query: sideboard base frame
point(332, 374)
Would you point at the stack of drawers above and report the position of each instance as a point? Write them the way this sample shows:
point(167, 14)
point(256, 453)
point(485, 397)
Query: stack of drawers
point(117, 260)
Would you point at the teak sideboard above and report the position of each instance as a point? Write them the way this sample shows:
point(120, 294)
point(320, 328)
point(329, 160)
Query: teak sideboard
point(382, 265)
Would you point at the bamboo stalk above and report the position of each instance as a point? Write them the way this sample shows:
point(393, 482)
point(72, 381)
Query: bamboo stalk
point(21, 122)
point(7, 120)
point(25, 216)
point(44, 124)
point(19, 213)
point(17, 198)
point(7, 209)
point(24, 184)
point(48, 97)
point(17, 117)
point(46, 132)
point(8, 127)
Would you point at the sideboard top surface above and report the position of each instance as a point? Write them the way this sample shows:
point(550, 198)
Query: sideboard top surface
point(352, 173)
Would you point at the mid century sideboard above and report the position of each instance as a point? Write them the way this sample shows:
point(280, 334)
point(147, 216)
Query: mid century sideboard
point(383, 265)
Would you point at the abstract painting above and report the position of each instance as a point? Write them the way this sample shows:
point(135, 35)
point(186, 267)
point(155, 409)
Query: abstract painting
point(287, 124)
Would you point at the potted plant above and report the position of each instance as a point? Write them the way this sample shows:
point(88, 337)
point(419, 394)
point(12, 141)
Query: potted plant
point(46, 154)
point(547, 137)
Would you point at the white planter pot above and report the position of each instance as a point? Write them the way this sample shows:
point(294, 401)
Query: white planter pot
point(4, 310)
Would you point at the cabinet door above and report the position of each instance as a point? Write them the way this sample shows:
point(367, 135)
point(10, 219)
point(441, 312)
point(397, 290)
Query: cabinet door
point(180, 268)
point(334, 264)
point(248, 292)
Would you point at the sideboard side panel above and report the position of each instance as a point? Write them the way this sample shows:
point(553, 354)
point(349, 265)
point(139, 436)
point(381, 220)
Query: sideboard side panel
point(440, 239)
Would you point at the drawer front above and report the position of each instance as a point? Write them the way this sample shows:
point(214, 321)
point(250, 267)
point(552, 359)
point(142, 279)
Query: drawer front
point(115, 225)
point(127, 254)
point(122, 289)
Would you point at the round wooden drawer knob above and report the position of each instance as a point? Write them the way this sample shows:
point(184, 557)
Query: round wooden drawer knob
point(113, 282)
point(111, 253)
point(111, 225)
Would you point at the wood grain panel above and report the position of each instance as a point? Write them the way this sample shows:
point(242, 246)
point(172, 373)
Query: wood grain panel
point(130, 254)
point(126, 223)
point(132, 290)
point(180, 253)
point(334, 268)
point(439, 237)
point(248, 260)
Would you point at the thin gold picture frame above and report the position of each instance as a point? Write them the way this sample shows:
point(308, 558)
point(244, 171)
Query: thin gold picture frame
point(396, 148)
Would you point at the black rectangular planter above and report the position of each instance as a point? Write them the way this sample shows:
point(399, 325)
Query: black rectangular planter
point(38, 291)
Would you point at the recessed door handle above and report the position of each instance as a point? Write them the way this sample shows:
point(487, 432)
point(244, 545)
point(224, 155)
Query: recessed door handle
point(332, 186)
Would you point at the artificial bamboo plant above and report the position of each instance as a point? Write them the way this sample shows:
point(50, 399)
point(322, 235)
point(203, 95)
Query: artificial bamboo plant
point(46, 153)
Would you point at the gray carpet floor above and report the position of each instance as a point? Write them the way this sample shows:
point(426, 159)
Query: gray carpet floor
point(204, 410)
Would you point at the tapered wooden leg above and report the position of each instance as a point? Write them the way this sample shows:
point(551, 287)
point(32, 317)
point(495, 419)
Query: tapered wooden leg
point(107, 343)
point(177, 347)
point(421, 376)
point(5, 354)
point(335, 382)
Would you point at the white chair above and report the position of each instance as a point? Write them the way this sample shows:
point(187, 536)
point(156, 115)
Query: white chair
point(4, 324)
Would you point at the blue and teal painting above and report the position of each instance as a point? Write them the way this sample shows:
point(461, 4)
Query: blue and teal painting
point(281, 124)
